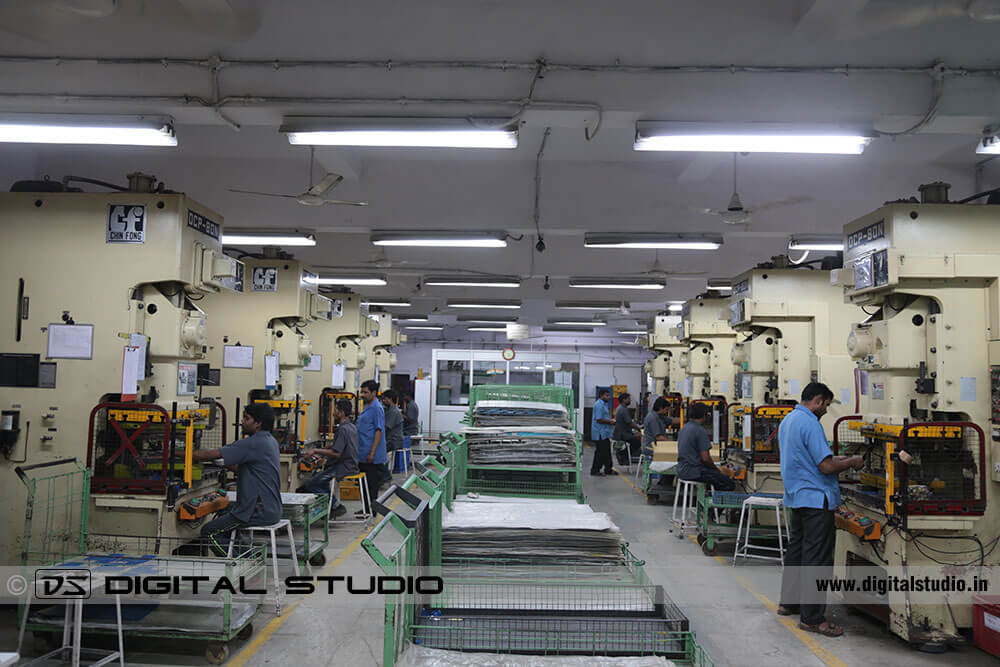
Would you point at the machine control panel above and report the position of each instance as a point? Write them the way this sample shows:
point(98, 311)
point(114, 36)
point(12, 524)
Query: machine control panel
point(196, 508)
point(858, 524)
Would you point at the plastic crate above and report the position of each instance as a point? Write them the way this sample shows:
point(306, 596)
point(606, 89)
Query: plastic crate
point(986, 623)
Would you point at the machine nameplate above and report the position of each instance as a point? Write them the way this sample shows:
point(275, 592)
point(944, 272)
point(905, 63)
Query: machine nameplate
point(202, 224)
point(866, 234)
point(264, 279)
point(741, 287)
point(126, 223)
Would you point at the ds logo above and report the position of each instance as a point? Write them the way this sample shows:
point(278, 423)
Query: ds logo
point(62, 584)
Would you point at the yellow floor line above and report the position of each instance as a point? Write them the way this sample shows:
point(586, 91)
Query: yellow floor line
point(265, 633)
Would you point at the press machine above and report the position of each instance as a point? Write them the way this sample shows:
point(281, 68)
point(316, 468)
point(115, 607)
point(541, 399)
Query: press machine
point(709, 378)
point(101, 362)
point(926, 340)
point(379, 357)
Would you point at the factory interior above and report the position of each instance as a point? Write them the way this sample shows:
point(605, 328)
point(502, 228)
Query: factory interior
point(471, 333)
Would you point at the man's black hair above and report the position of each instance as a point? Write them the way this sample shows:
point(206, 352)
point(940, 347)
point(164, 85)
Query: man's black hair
point(345, 406)
point(623, 396)
point(814, 389)
point(697, 411)
point(261, 413)
point(659, 404)
point(603, 392)
point(390, 394)
point(370, 385)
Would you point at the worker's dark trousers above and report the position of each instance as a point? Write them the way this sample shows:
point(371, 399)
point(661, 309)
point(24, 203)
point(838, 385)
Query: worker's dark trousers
point(717, 480)
point(809, 556)
point(374, 474)
point(216, 532)
point(634, 447)
point(602, 456)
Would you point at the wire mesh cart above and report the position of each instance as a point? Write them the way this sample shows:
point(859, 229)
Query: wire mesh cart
point(56, 537)
point(715, 512)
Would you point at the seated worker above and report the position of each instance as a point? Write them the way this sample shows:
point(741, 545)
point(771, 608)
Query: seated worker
point(258, 473)
point(654, 426)
point(624, 428)
point(341, 458)
point(694, 452)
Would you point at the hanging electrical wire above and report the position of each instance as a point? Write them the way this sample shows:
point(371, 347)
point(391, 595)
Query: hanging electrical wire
point(540, 245)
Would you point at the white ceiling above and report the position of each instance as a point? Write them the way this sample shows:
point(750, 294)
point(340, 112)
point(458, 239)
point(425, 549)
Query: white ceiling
point(586, 185)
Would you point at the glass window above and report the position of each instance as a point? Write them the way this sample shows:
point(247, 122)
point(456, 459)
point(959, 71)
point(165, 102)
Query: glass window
point(527, 372)
point(566, 374)
point(489, 372)
point(453, 382)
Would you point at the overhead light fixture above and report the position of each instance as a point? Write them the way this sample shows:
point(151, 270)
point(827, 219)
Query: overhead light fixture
point(440, 239)
point(616, 283)
point(87, 129)
point(479, 319)
point(720, 285)
point(675, 307)
point(235, 237)
point(414, 318)
point(631, 332)
point(816, 243)
point(484, 303)
point(566, 329)
point(653, 241)
point(747, 138)
point(424, 328)
point(472, 281)
point(397, 132)
point(388, 303)
point(488, 329)
point(989, 145)
point(578, 323)
point(374, 281)
point(609, 306)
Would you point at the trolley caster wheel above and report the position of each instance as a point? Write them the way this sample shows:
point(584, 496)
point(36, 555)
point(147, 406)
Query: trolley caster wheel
point(700, 539)
point(652, 499)
point(217, 653)
point(318, 560)
point(708, 547)
point(245, 633)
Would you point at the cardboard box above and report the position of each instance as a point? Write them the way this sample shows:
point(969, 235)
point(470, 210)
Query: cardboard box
point(667, 451)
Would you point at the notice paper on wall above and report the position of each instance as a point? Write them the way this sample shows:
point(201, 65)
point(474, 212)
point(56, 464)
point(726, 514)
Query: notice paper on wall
point(70, 341)
point(237, 356)
point(131, 360)
point(793, 388)
point(845, 396)
point(338, 376)
point(271, 367)
point(315, 363)
point(139, 341)
point(187, 379)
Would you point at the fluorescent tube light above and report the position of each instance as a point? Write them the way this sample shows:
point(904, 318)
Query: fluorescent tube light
point(565, 329)
point(719, 285)
point(616, 283)
point(479, 319)
point(654, 241)
point(485, 303)
point(436, 239)
point(374, 281)
point(414, 318)
point(579, 323)
point(816, 243)
point(252, 238)
point(609, 306)
point(424, 328)
point(675, 308)
point(83, 129)
point(747, 138)
point(631, 332)
point(988, 145)
point(387, 303)
point(473, 281)
point(396, 132)
point(488, 329)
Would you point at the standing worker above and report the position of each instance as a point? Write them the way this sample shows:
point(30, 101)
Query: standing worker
point(371, 441)
point(411, 419)
point(625, 427)
point(600, 430)
point(694, 452)
point(258, 474)
point(393, 426)
point(341, 457)
point(809, 471)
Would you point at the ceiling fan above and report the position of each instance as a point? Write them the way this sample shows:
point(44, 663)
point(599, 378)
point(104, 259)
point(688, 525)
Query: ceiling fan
point(736, 214)
point(884, 15)
point(315, 195)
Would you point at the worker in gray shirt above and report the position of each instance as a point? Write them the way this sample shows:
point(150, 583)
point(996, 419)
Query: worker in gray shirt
point(411, 419)
point(654, 426)
point(694, 452)
point(258, 473)
point(341, 457)
point(393, 429)
point(625, 428)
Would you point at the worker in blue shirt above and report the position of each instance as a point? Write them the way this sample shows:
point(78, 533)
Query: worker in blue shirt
point(809, 471)
point(371, 440)
point(600, 431)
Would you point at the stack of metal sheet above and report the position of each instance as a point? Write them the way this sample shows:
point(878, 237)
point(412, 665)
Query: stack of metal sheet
point(519, 414)
point(543, 446)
